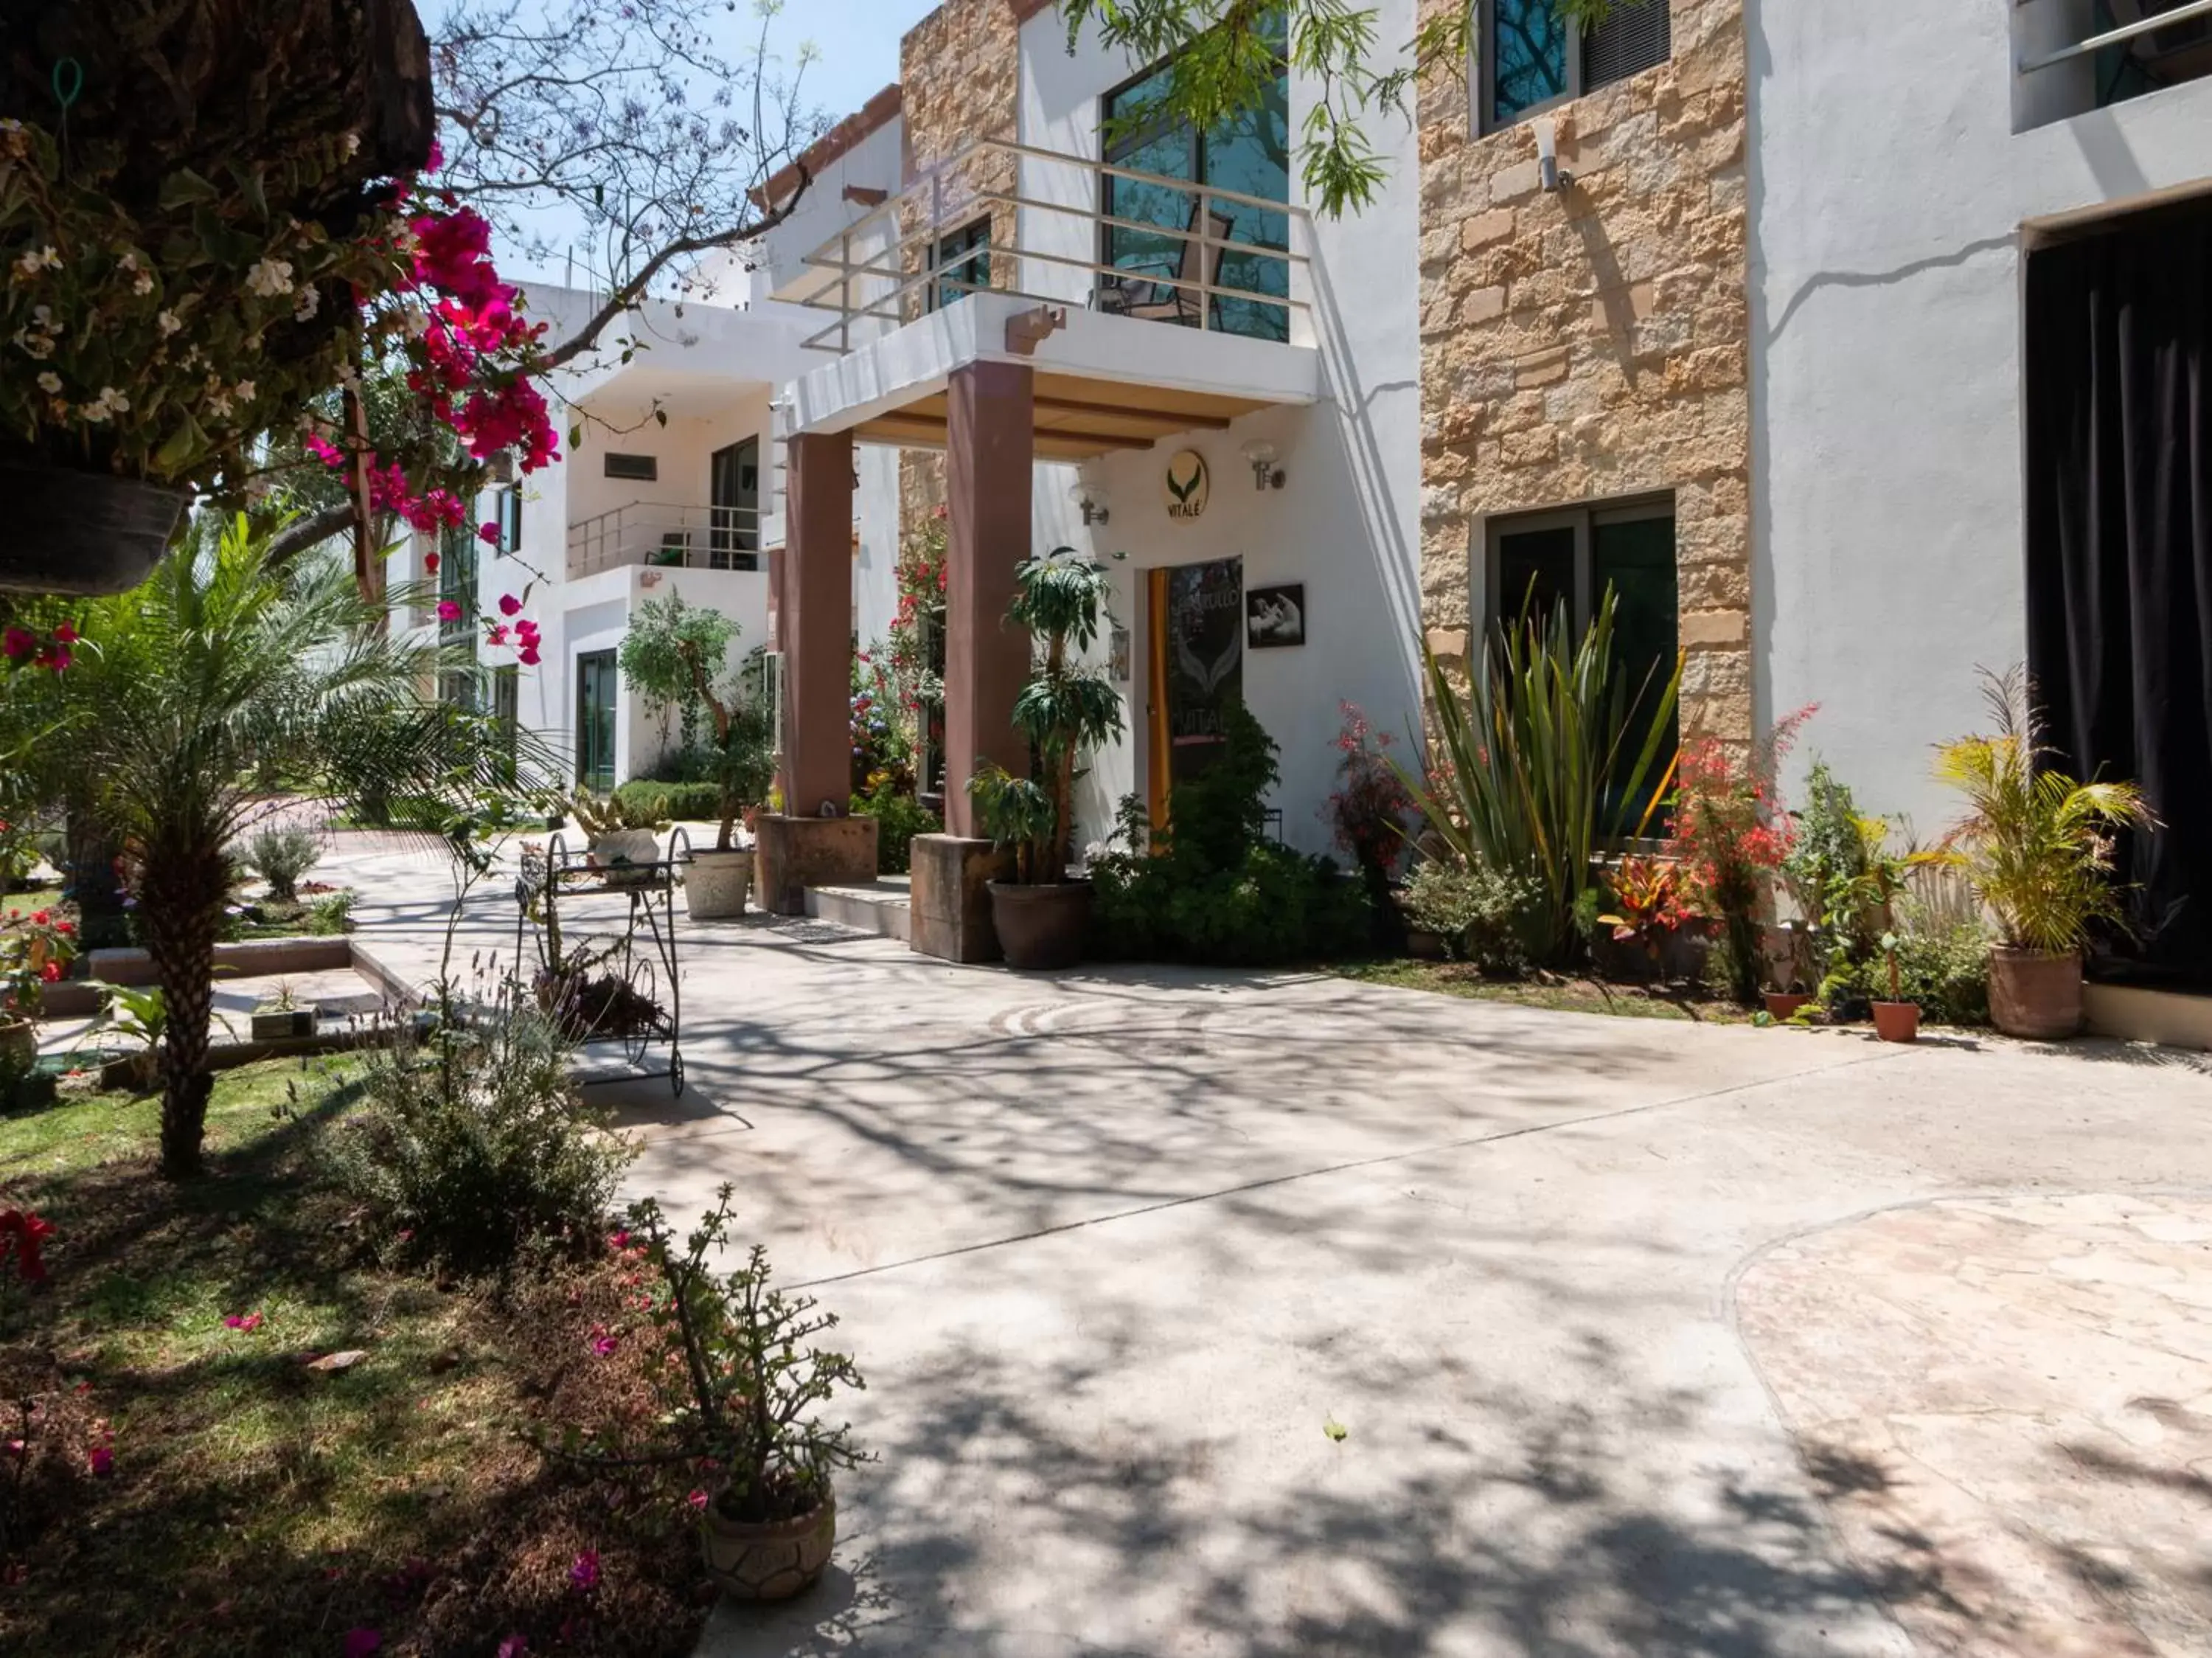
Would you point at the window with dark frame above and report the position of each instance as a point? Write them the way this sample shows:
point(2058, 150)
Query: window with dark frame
point(962, 261)
point(1528, 58)
point(1537, 562)
point(507, 517)
point(638, 468)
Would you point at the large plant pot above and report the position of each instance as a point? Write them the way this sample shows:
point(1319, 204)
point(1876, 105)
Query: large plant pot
point(2034, 993)
point(1784, 1004)
point(619, 849)
point(83, 531)
point(1041, 928)
point(772, 1561)
point(715, 885)
point(19, 1044)
point(1897, 1021)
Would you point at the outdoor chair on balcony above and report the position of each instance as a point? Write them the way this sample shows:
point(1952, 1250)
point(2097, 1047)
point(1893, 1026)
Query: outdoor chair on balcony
point(1136, 294)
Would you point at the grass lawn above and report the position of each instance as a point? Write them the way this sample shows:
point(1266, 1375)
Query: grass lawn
point(250, 1503)
point(1561, 992)
point(32, 899)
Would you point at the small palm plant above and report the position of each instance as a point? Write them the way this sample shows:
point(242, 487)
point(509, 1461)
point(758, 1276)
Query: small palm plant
point(2035, 844)
point(1066, 709)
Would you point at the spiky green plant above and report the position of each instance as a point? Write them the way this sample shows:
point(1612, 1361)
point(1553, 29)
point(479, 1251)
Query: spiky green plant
point(2035, 844)
point(221, 664)
point(1525, 773)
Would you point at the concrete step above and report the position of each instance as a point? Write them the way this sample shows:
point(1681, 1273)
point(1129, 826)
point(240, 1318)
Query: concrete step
point(880, 906)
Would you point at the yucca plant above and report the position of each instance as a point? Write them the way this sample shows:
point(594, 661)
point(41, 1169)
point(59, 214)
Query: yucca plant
point(2035, 844)
point(1526, 769)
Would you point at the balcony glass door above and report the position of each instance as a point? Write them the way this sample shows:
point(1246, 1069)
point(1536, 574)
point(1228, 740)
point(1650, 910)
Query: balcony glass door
point(595, 720)
point(733, 541)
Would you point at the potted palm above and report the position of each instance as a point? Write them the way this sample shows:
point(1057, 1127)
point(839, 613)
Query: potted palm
point(675, 654)
point(1066, 709)
point(2036, 846)
point(737, 1382)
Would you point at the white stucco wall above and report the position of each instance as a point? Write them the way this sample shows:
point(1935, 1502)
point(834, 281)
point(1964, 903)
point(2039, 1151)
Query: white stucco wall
point(1889, 190)
point(1346, 521)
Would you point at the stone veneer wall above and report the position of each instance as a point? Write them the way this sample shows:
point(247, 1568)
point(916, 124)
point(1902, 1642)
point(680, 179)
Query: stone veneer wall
point(1595, 343)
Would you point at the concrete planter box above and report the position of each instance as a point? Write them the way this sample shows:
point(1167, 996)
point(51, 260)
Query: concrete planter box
point(282, 1025)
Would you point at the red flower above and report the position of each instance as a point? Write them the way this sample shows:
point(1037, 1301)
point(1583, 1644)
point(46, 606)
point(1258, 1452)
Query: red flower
point(430, 563)
point(102, 1461)
point(489, 534)
point(508, 604)
point(16, 643)
point(66, 634)
point(448, 610)
point(40, 918)
point(528, 656)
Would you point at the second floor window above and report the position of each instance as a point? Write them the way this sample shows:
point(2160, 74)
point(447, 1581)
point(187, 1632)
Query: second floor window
point(1529, 58)
point(962, 263)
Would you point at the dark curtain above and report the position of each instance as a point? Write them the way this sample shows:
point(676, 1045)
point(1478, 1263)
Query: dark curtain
point(2119, 556)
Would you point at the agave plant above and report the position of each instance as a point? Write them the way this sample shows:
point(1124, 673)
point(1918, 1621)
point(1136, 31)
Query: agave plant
point(1544, 757)
point(2036, 845)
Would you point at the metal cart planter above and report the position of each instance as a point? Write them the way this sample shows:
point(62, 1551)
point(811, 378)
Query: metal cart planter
point(604, 939)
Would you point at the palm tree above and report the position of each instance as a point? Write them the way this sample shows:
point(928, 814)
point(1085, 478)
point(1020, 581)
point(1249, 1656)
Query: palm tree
point(224, 665)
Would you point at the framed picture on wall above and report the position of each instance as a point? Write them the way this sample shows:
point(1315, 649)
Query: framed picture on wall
point(1275, 617)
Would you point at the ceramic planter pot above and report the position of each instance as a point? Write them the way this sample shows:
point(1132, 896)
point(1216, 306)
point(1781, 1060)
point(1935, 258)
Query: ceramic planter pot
point(2034, 993)
point(19, 1045)
point(1897, 1021)
point(1784, 1004)
point(715, 885)
point(620, 847)
point(83, 531)
point(1041, 928)
point(768, 1561)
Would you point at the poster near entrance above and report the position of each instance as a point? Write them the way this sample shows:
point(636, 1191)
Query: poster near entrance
point(1198, 667)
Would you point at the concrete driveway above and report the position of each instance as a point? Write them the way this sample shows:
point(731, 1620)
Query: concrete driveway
point(1259, 1315)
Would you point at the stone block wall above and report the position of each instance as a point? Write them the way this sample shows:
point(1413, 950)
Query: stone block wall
point(1594, 344)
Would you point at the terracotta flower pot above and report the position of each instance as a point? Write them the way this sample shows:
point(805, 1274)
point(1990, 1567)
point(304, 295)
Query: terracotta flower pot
point(1041, 928)
point(1897, 1021)
point(771, 1560)
point(83, 531)
point(2034, 993)
point(1783, 1004)
point(715, 885)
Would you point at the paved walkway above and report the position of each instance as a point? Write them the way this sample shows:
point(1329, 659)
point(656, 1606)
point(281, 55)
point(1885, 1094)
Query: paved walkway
point(1645, 1339)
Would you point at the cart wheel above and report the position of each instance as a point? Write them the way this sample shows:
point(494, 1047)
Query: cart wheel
point(676, 1073)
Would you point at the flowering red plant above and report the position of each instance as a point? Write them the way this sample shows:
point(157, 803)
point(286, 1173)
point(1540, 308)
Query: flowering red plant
point(1647, 903)
point(1370, 805)
point(1732, 832)
point(21, 1235)
point(35, 951)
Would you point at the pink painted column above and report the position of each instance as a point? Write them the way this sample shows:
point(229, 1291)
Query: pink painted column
point(815, 619)
point(991, 447)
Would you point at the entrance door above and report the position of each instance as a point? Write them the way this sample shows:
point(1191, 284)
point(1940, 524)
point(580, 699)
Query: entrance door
point(733, 541)
point(595, 720)
point(1197, 640)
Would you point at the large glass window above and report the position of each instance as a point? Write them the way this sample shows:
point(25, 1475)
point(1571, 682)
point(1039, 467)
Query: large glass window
point(1529, 58)
point(962, 263)
point(595, 704)
point(733, 541)
point(1175, 240)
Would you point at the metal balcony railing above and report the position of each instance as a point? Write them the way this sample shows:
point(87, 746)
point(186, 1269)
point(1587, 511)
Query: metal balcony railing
point(659, 533)
point(887, 265)
point(2167, 40)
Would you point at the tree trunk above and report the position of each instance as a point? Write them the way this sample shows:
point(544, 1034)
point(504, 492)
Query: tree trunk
point(180, 902)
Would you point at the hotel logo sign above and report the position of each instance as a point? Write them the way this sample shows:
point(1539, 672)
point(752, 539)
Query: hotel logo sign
point(1188, 483)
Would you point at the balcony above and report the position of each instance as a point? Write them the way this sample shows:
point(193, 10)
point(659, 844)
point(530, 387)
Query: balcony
point(665, 534)
point(2076, 56)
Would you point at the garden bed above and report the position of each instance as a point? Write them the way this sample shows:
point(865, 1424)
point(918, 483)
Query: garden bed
point(250, 1502)
point(1560, 992)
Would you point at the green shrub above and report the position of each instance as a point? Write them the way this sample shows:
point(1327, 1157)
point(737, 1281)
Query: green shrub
point(1944, 968)
point(1219, 892)
point(899, 818)
point(685, 802)
point(1483, 916)
point(331, 913)
point(474, 1146)
point(281, 857)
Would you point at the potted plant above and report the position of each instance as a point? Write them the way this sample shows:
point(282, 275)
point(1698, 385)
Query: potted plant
point(35, 951)
point(1647, 907)
point(675, 654)
point(141, 1013)
point(1066, 709)
point(1895, 1020)
point(2036, 846)
point(736, 1381)
point(622, 835)
point(281, 1018)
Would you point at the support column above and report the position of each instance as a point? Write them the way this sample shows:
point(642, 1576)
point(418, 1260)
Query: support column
point(991, 450)
point(815, 618)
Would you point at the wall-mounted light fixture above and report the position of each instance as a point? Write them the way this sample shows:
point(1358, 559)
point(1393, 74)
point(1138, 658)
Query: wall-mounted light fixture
point(1549, 173)
point(1266, 474)
point(1089, 500)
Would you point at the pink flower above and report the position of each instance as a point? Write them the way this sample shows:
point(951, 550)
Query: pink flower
point(16, 643)
point(360, 1642)
point(249, 1322)
point(66, 634)
point(698, 1499)
point(448, 610)
point(585, 1573)
point(498, 634)
point(508, 604)
point(489, 534)
point(430, 563)
point(528, 657)
point(103, 1461)
point(618, 1239)
point(513, 1647)
point(601, 1343)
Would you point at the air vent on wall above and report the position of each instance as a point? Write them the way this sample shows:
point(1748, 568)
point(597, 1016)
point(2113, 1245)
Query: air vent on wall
point(1632, 38)
point(641, 468)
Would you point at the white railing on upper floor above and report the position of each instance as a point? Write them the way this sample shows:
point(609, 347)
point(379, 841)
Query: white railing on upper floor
point(884, 267)
point(2187, 50)
point(661, 532)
